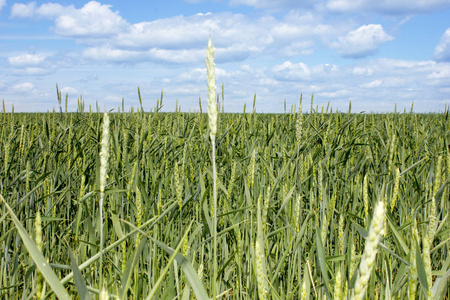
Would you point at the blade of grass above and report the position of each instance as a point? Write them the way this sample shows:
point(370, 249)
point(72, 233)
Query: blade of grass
point(79, 281)
point(322, 261)
point(421, 273)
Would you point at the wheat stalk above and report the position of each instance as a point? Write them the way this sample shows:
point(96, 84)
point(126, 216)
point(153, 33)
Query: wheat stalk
point(104, 156)
point(212, 116)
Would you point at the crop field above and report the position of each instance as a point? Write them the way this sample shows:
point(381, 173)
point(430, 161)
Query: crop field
point(295, 199)
point(152, 205)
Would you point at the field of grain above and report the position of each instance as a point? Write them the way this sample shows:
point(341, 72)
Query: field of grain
point(304, 185)
point(317, 205)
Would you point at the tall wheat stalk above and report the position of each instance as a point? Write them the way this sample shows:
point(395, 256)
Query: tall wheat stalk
point(212, 114)
point(104, 155)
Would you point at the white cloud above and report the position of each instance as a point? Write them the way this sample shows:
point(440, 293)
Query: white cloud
point(30, 71)
point(344, 5)
point(20, 10)
point(439, 76)
point(168, 33)
point(69, 90)
point(107, 53)
point(92, 20)
point(24, 87)
point(234, 35)
point(30, 64)
point(335, 94)
point(2, 3)
point(288, 71)
point(26, 60)
point(424, 82)
point(372, 84)
point(401, 64)
point(50, 10)
point(362, 71)
point(301, 72)
point(176, 56)
point(361, 42)
point(442, 51)
point(397, 7)
point(440, 73)
point(325, 69)
point(179, 38)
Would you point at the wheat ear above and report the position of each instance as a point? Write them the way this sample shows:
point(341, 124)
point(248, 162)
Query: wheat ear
point(370, 252)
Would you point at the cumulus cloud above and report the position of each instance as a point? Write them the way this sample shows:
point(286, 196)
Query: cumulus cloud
point(399, 7)
point(166, 33)
point(69, 90)
point(362, 42)
point(179, 38)
point(397, 80)
point(30, 10)
point(32, 64)
point(288, 71)
point(92, 20)
point(236, 37)
point(20, 10)
point(51, 10)
point(442, 51)
point(26, 60)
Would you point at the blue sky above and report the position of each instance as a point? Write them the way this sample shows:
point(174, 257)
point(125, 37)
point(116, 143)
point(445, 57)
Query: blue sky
point(372, 53)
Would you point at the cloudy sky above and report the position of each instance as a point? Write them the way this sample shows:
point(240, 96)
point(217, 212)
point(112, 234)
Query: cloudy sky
point(372, 53)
